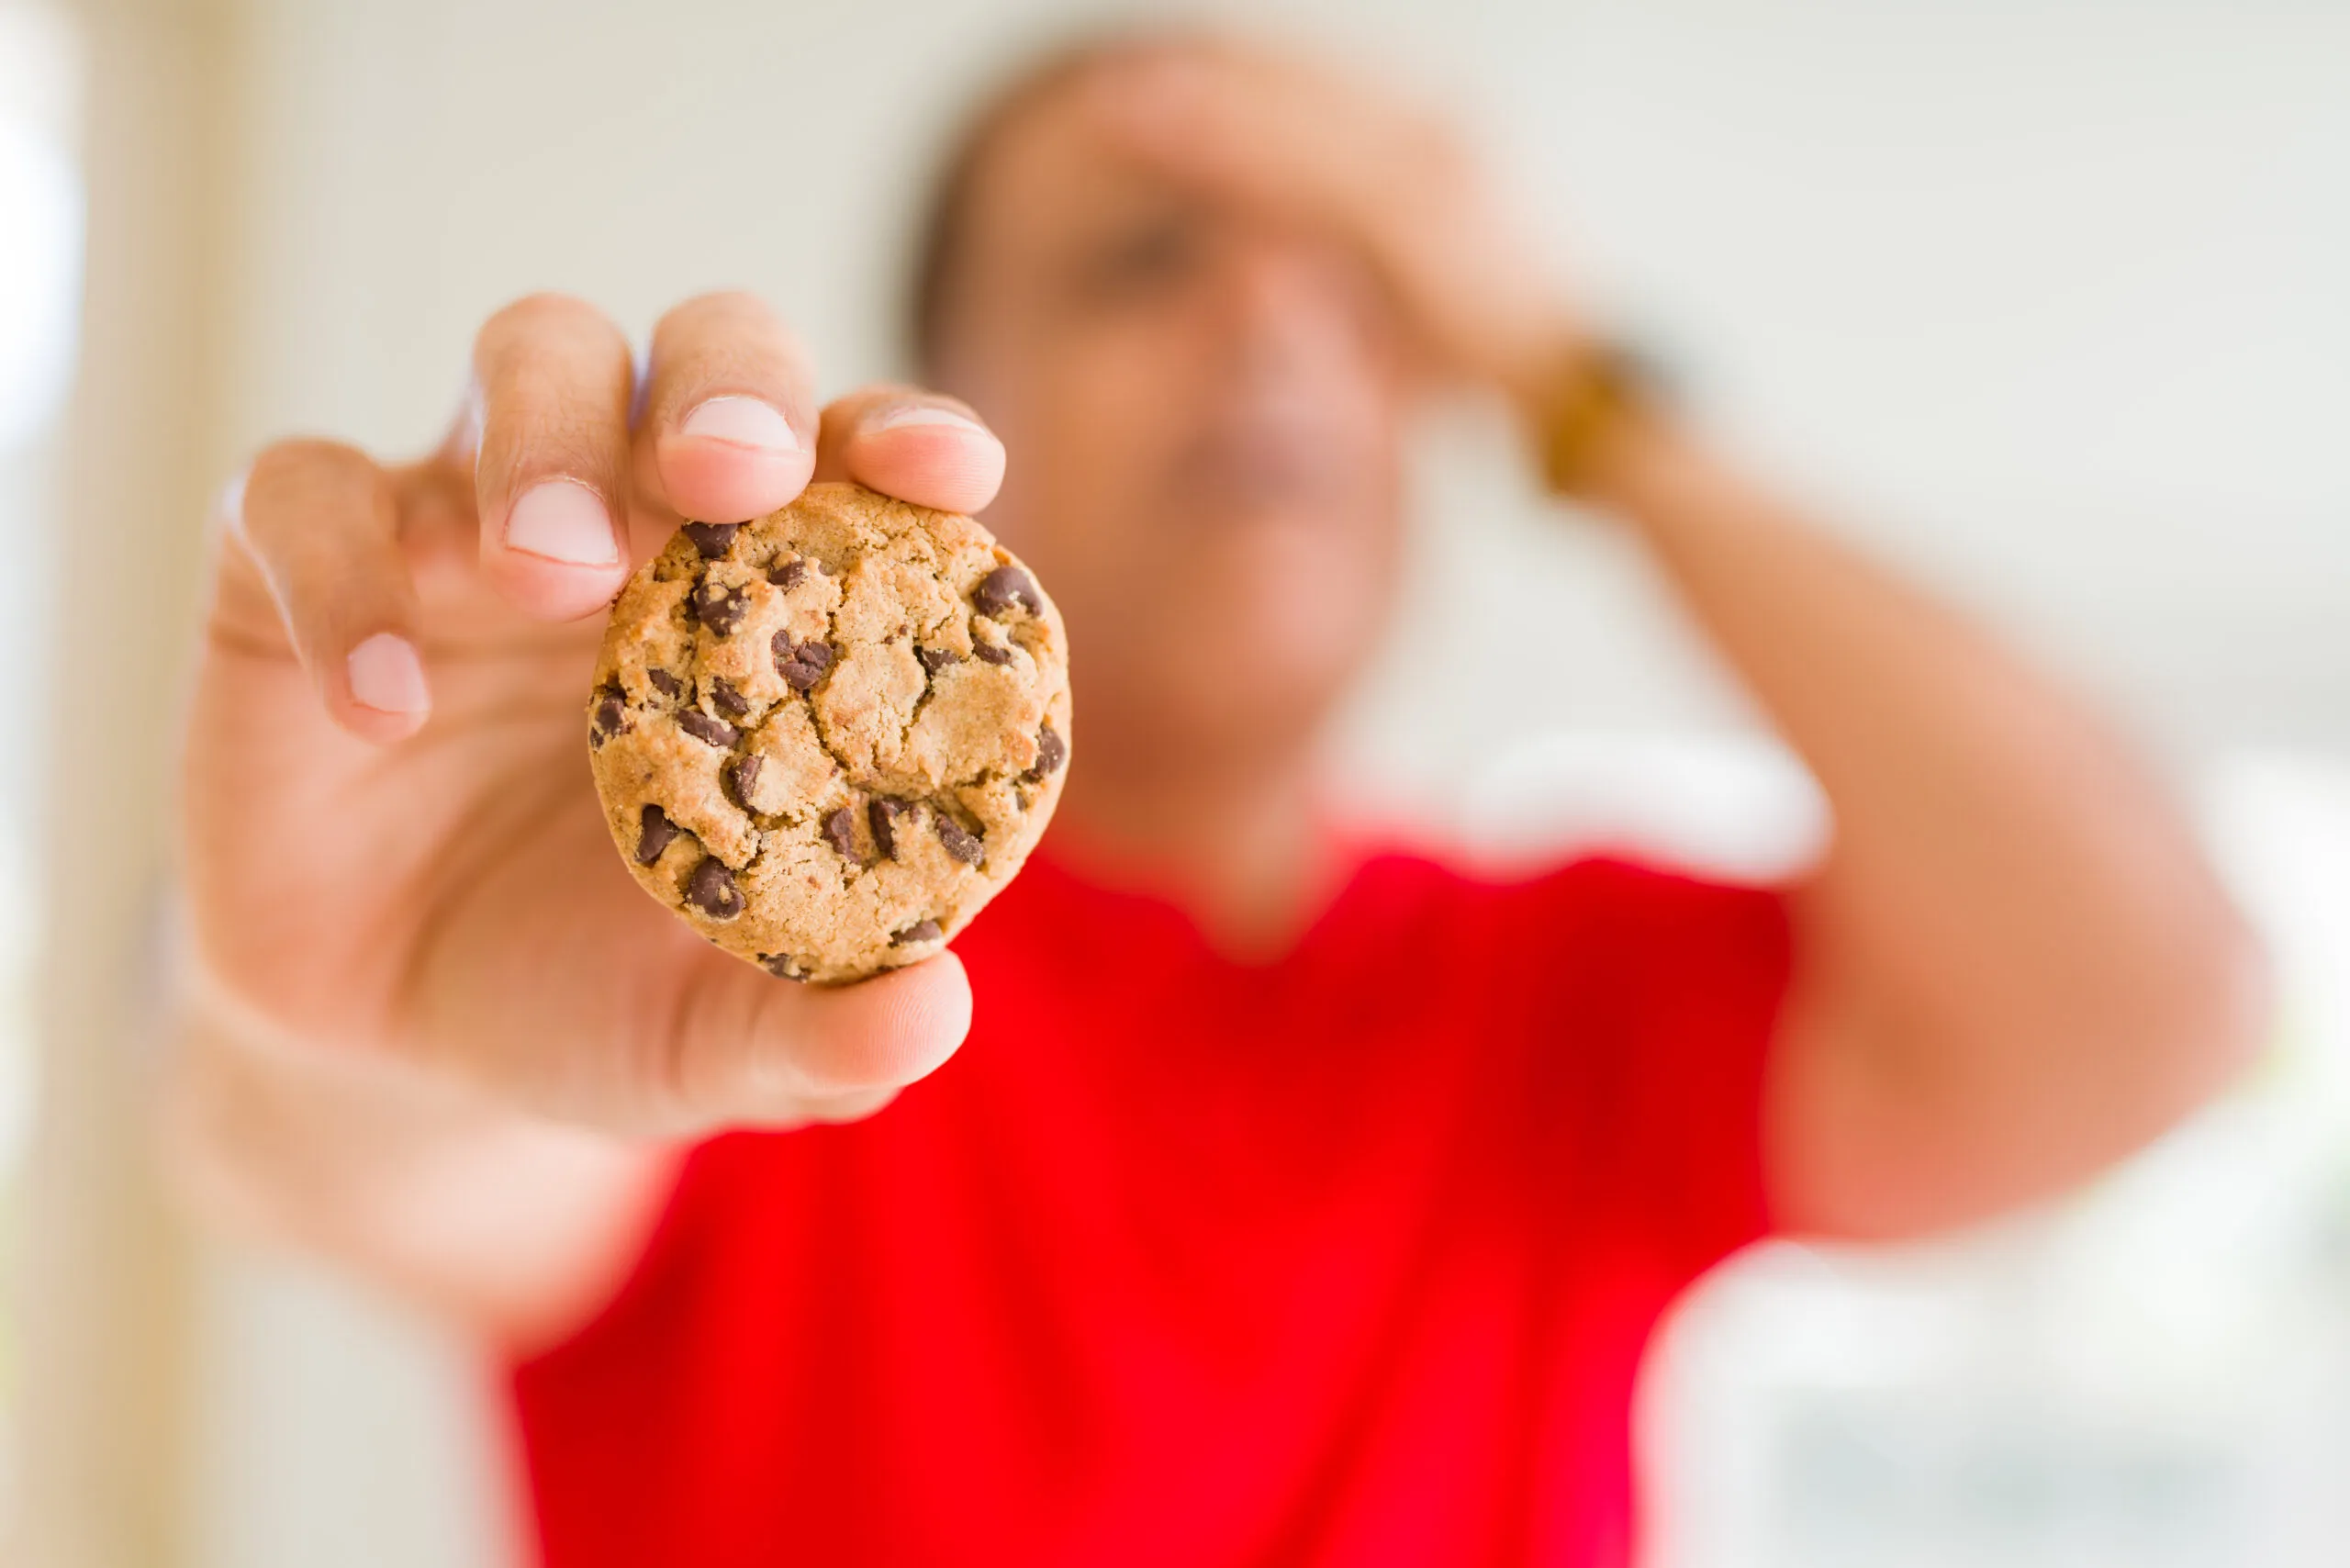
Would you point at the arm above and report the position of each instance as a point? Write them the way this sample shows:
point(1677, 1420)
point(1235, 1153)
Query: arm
point(2014, 965)
point(510, 1226)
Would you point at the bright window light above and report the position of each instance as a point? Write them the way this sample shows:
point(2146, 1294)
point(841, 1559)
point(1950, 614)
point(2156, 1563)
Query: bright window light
point(41, 274)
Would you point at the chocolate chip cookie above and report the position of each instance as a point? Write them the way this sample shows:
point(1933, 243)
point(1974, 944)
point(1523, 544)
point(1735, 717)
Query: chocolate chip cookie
point(828, 736)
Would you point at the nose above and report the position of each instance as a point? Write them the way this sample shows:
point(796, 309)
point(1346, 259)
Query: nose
point(1286, 306)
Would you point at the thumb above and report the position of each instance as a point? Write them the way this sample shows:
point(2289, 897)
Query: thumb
point(747, 1050)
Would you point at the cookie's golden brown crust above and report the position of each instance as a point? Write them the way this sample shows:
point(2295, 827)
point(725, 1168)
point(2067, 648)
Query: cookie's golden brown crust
point(827, 737)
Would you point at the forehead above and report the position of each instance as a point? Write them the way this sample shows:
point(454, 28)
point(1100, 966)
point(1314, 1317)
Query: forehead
point(1045, 175)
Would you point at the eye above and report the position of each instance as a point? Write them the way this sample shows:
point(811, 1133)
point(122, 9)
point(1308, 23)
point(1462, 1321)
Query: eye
point(1141, 259)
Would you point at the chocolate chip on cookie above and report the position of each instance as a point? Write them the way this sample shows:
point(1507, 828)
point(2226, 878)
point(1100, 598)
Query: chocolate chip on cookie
point(707, 730)
point(960, 840)
point(711, 890)
point(743, 773)
point(881, 815)
point(1002, 588)
point(921, 931)
point(718, 607)
point(654, 830)
point(801, 665)
point(712, 538)
point(610, 715)
point(1051, 751)
point(839, 832)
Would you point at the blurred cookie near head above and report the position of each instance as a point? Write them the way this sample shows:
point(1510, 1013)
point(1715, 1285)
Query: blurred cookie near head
point(827, 737)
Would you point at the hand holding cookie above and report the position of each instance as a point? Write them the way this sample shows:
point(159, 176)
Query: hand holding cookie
point(393, 844)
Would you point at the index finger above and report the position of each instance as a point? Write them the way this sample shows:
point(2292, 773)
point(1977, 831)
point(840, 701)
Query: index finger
point(551, 474)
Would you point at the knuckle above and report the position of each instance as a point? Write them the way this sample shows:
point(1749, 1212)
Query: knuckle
point(731, 308)
point(530, 328)
point(543, 438)
point(726, 338)
point(290, 481)
point(723, 1048)
point(544, 311)
point(833, 1074)
point(301, 455)
point(678, 1075)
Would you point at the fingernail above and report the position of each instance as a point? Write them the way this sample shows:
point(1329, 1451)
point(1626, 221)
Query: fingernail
point(386, 674)
point(744, 421)
point(563, 520)
point(908, 414)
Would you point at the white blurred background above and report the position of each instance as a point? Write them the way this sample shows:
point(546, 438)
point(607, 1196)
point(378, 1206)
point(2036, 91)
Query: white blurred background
point(2047, 299)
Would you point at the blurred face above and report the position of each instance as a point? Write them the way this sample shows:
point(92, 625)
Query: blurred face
point(1202, 407)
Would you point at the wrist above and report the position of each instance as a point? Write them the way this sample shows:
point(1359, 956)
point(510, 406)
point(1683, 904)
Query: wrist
point(1533, 363)
point(1628, 466)
point(1597, 419)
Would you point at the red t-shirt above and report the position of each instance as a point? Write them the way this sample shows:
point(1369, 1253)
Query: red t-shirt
point(1344, 1259)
